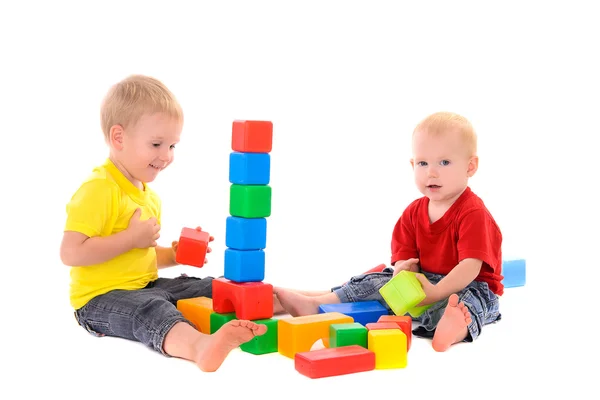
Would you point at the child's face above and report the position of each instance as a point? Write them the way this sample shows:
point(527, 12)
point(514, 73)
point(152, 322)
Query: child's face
point(148, 147)
point(442, 165)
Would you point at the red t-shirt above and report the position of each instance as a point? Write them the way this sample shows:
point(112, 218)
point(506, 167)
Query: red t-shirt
point(466, 230)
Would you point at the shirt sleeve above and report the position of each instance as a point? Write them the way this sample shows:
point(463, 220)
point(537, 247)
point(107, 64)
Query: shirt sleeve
point(478, 237)
point(404, 243)
point(92, 208)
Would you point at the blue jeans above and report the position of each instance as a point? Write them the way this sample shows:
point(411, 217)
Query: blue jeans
point(145, 315)
point(481, 302)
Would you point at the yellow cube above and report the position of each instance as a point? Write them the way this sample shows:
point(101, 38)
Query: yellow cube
point(389, 346)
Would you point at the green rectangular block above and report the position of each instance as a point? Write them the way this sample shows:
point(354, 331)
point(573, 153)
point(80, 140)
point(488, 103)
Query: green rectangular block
point(266, 343)
point(218, 320)
point(403, 292)
point(348, 334)
point(250, 201)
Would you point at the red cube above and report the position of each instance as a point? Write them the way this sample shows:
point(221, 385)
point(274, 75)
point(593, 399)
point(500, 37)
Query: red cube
point(252, 136)
point(192, 247)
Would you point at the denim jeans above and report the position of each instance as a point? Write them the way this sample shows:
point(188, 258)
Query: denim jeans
point(481, 302)
point(145, 315)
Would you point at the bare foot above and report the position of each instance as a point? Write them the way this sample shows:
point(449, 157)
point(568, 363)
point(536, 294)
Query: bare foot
point(297, 304)
point(452, 327)
point(211, 352)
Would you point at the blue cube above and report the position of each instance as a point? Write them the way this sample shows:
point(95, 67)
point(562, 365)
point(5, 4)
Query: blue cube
point(246, 233)
point(249, 168)
point(244, 265)
point(513, 272)
point(363, 312)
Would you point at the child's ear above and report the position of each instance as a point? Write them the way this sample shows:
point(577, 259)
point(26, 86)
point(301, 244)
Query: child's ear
point(412, 163)
point(115, 137)
point(473, 165)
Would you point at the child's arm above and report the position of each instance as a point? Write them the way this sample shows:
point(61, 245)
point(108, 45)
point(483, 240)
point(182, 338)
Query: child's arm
point(80, 250)
point(459, 278)
point(165, 256)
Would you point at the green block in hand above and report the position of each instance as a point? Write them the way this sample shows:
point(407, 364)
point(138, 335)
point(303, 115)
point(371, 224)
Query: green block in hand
point(403, 292)
point(250, 201)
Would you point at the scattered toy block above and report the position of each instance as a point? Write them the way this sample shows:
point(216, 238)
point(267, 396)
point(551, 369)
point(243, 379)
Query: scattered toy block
point(250, 201)
point(249, 168)
point(246, 233)
point(371, 326)
point(404, 322)
point(298, 334)
point(244, 265)
point(252, 136)
point(347, 334)
point(378, 268)
point(362, 312)
point(192, 247)
point(514, 273)
point(217, 320)
point(263, 344)
point(249, 300)
point(334, 361)
point(389, 346)
point(403, 292)
point(197, 310)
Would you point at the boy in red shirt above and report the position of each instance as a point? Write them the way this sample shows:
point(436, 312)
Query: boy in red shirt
point(448, 235)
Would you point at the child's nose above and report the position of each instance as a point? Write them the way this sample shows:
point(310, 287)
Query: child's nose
point(432, 172)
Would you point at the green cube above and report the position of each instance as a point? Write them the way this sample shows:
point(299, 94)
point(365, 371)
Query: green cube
point(403, 292)
point(250, 201)
point(347, 334)
point(218, 320)
point(266, 343)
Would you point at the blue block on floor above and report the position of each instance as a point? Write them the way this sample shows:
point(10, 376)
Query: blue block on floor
point(246, 233)
point(249, 168)
point(363, 312)
point(513, 272)
point(244, 265)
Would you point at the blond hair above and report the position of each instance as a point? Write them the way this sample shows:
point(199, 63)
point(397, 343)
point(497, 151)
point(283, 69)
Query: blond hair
point(441, 122)
point(128, 100)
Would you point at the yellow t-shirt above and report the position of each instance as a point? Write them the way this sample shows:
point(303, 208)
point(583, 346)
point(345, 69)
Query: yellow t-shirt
point(102, 206)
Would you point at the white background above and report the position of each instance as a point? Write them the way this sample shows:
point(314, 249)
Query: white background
point(344, 83)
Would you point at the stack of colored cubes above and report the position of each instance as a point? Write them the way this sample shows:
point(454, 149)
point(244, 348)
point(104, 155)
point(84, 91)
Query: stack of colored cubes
point(249, 201)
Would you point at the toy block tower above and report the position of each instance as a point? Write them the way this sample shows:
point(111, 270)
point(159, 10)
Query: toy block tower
point(241, 290)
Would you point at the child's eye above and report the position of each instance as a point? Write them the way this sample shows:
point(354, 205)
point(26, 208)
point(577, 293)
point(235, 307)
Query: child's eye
point(422, 163)
point(156, 144)
point(445, 162)
point(172, 146)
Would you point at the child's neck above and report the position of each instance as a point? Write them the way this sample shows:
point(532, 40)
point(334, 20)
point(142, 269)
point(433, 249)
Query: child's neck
point(437, 209)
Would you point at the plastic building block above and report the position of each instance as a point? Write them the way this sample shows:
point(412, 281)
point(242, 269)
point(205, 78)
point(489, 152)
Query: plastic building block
point(403, 292)
point(252, 136)
point(347, 334)
point(246, 233)
point(362, 312)
point(378, 268)
point(217, 320)
point(404, 322)
point(298, 334)
point(514, 273)
point(389, 346)
point(250, 201)
point(244, 265)
point(197, 310)
point(263, 344)
point(334, 361)
point(192, 247)
point(371, 326)
point(249, 168)
point(249, 300)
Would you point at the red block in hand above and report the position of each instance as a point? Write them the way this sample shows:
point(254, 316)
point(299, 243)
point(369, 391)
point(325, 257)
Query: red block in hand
point(249, 300)
point(252, 136)
point(192, 247)
point(334, 361)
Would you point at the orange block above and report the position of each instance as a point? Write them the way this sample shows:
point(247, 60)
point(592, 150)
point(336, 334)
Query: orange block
point(249, 300)
point(252, 136)
point(298, 334)
point(403, 321)
point(197, 310)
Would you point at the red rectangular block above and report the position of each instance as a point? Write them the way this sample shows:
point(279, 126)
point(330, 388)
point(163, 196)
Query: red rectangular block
point(192, 247)
point(334, 361)
point(249, 300)
point(252, 136)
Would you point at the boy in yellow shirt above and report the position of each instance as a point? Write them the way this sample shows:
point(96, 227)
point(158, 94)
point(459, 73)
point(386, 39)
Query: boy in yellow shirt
point(111, 232)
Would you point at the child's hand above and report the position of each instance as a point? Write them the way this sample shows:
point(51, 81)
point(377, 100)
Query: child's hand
point(143, 233)
point(175, 246)
point(412, 264)
point(431, 291)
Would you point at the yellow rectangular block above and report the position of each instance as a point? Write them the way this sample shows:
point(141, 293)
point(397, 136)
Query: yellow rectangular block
point(197, 310)
point(298, 334)
point(389, 346)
